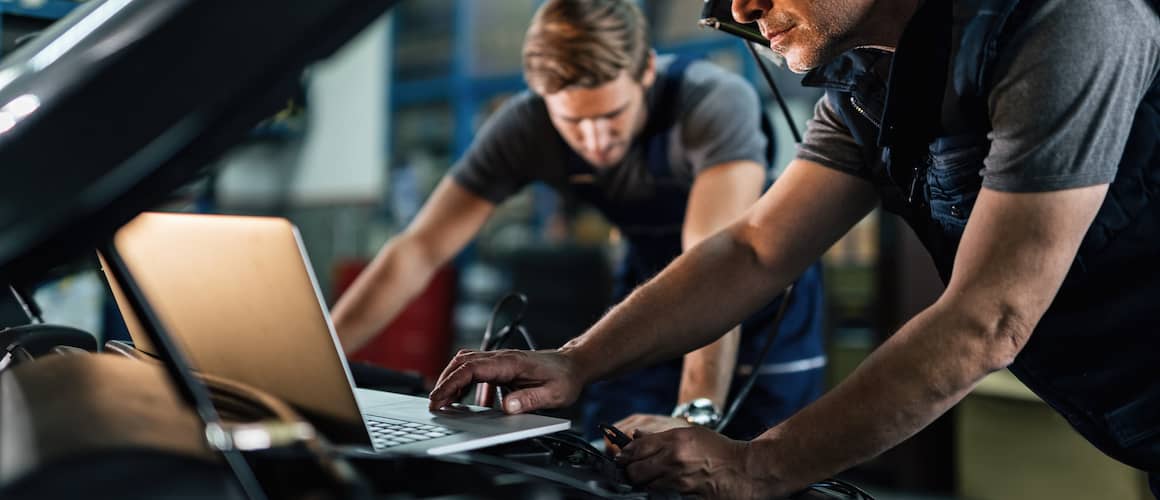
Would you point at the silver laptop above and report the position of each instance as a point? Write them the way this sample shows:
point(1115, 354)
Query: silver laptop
point(239, 296)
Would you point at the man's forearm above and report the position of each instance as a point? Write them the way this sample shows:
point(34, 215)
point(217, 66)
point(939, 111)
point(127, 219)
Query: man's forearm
point(914, 377)
point(703, 294)
point(708, 371)
point(395, 277)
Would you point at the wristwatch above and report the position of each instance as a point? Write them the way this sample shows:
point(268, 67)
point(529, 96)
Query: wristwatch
point(700, 411)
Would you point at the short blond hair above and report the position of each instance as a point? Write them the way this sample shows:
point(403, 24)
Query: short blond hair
point(584, 43)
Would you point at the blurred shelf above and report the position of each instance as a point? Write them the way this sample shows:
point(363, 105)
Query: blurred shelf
point(703, 48)
point(441, 89)
point(48, 9)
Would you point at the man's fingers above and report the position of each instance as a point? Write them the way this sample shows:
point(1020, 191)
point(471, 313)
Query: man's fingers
point(623, 423)
point(626, 425)
point(531, 399)
point(646, 469)
point(473, 369)
point(610, 448)
point(669, 481)
point(629, 423)
point(444, 393)
point(518, 369)
point(647, 473)
point(437, 401)
point(455, 363)
point(656, 466)
point(640, 448)
point(452, 386)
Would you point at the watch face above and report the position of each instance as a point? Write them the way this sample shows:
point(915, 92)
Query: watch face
point(702, 412)
point(702, 404)
point(702, 419)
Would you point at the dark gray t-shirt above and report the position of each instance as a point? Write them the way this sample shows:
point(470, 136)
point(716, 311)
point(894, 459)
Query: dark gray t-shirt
point(718, 121)
point(1065, 93)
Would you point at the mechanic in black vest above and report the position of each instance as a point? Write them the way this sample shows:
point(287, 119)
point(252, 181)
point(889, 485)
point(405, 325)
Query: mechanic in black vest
point(670, 151)
point(1019, 139)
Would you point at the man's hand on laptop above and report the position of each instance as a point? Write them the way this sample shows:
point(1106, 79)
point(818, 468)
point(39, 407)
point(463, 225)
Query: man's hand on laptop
point(537, 380)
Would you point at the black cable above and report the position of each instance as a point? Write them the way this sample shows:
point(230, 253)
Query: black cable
point(551, 475)
point(749, 383)
point(31, 309)
point(578, 444)
point(844, 488)
point(494, 341)
point(506, 332)
point(797, 136)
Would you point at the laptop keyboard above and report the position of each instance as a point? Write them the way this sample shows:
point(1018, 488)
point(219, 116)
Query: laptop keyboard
point(389, 432)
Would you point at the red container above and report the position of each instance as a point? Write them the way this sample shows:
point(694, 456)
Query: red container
point(419, 339)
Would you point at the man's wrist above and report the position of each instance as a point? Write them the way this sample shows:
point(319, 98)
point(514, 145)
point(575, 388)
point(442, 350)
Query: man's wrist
point(761, 468)
point(582, 367)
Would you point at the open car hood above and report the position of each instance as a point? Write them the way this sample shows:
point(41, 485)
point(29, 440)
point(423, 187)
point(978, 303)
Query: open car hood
point(124, 101)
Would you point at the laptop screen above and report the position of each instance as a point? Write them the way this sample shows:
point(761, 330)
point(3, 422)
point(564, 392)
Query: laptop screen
point(238, 295)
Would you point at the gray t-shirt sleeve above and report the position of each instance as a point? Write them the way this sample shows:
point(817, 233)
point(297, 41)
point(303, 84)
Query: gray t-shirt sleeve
point(828, 142)
point(720, 120)
point(1066, 92)
point(496, 165)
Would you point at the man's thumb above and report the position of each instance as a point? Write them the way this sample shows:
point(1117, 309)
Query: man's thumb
point(525, 400)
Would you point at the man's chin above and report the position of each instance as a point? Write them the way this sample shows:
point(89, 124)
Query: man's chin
point(802, 59)
point(606, 162)
point(797, 68)
point(800, 62)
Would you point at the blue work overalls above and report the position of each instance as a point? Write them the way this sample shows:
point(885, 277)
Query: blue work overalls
point(1095, 354)
point(792, 374)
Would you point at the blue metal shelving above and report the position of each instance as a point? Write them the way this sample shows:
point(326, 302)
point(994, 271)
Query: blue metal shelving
point(465, 92)
point(50, 9)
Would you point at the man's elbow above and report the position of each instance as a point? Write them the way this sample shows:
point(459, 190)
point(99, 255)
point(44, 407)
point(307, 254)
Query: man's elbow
point(745, 237)
point(1003, 334)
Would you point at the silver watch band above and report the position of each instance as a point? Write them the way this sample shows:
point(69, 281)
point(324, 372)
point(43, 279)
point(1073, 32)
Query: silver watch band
point(700, 411)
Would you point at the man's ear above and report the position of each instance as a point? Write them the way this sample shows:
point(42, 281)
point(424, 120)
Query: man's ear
point(650, 71)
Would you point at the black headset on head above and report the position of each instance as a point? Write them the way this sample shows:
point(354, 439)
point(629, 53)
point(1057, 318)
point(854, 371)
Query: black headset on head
point(718, 14)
